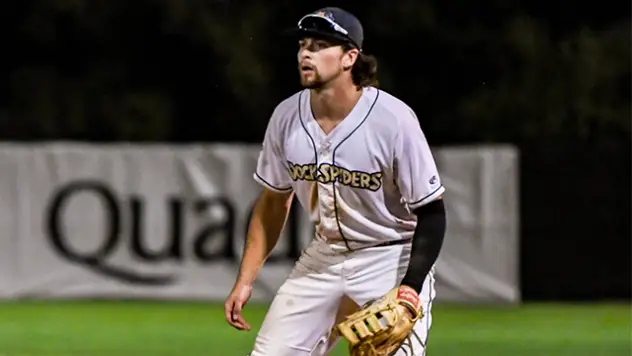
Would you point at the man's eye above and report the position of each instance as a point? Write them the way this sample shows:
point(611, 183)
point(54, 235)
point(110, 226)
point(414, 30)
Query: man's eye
point(321, 44)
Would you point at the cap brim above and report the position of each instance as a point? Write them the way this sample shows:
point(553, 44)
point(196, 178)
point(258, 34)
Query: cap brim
point(297, 34)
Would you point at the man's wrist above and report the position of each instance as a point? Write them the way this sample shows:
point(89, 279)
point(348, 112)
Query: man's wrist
point(413, 282)
point(245, 280)
point(405, 286)
point(409, 296)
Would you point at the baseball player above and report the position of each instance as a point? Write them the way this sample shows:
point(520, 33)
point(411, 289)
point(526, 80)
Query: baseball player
point(358, 162)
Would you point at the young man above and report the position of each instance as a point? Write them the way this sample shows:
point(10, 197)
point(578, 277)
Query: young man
point(358, 162)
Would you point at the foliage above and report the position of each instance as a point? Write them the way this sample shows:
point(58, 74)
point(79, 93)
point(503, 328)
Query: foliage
point(214, 70)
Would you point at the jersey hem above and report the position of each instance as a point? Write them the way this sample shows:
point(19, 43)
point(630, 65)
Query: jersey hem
point(427, 199)
point(264, 183)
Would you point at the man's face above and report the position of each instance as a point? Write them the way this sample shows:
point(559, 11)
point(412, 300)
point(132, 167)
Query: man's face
point(319, 62)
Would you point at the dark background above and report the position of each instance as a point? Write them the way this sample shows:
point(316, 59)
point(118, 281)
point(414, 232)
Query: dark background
point(552, 78)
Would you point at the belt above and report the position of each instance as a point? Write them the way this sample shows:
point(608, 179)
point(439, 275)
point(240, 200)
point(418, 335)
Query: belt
point(384, 244)
point(394, 242)
point(381, 244)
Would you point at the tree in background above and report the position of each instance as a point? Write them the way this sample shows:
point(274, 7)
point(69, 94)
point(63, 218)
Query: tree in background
point(213, 70)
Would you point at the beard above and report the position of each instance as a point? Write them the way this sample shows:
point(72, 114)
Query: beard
point(316, 81)
point(313, 81)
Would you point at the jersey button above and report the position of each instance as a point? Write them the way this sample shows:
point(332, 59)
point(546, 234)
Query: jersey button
point(325, 147)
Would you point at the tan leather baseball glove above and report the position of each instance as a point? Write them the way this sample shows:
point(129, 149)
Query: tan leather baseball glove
point(382, 326)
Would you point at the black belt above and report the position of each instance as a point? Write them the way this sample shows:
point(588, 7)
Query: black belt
point(394, 242)
point(385, 244)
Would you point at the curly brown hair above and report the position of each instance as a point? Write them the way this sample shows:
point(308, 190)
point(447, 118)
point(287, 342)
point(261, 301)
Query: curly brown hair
point(364, 71)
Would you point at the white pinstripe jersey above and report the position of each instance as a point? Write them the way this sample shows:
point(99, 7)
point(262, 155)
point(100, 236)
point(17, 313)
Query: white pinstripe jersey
point(360, 182)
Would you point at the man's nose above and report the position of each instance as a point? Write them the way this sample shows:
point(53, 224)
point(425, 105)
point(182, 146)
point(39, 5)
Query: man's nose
point(305, 53)
point(304, 56)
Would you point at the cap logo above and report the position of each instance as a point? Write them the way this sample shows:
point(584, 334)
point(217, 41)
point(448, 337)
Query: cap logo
point(325, 14)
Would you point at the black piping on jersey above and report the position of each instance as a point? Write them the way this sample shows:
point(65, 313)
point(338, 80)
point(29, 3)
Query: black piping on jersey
point(271, 186)
point(426, 197)
point(333, 162)
point(300, 118)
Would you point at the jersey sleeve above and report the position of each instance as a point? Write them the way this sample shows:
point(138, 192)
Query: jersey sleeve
point(415, 168)
point(272, 171)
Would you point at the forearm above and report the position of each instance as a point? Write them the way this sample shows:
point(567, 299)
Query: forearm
point(267, 221)
point(427, 242)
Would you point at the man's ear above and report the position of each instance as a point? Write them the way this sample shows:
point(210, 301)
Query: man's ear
point(349, 58)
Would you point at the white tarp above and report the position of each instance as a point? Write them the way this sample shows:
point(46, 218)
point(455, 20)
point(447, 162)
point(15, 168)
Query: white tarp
point(160, 221)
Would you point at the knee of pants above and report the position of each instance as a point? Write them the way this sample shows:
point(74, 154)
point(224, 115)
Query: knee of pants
point(265, 347)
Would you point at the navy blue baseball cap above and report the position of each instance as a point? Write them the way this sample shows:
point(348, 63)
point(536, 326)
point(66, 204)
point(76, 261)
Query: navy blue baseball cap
point(332, 22)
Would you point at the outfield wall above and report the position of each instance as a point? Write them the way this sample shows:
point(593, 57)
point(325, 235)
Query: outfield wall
point(160, 221)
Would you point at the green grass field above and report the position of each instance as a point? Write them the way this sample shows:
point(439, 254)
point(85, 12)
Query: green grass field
point(197, 329)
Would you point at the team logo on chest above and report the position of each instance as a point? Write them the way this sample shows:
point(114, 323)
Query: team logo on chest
point(329, 173)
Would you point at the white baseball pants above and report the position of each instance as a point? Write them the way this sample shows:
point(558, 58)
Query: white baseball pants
point(304, 310)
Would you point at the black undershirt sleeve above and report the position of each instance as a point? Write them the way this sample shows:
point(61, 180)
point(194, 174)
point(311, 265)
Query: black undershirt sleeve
point(426, 244)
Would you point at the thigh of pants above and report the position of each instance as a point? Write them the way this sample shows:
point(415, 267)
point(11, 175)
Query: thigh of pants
point(374, 272)
point(303, 311)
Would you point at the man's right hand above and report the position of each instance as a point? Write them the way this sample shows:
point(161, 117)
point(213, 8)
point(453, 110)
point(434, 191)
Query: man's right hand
point(266, 223)
point(235, 303)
